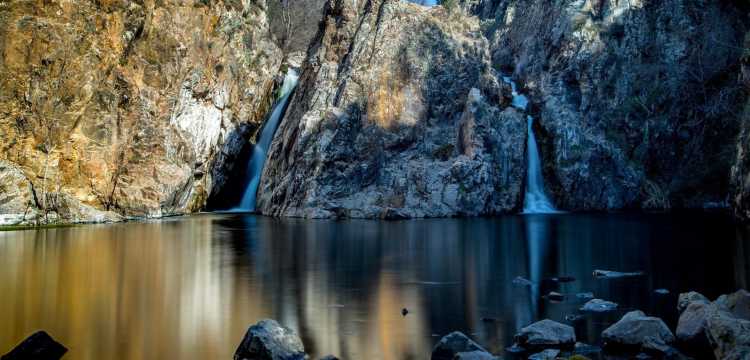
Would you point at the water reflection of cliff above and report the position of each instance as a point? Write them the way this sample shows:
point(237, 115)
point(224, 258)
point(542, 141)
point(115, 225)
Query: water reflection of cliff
point(188, 288)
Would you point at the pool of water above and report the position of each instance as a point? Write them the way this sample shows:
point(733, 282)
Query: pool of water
point(188, 288)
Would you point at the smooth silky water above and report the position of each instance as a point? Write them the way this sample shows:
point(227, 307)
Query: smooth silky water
point(188, 288)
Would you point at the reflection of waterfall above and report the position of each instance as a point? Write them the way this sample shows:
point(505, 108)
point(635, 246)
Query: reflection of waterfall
point(537, 229)
point(535, 201)
point(258, 159)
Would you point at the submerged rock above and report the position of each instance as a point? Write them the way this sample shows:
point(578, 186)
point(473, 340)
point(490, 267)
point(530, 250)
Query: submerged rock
point(475, 355)
point(38, 346)
point(598, 305)
point(546, 334)
point(520, 281)
point(606, 274)
point(457, 343)
point(636, 329)
point(549, 354)
point(555, 296)
point(267, 340)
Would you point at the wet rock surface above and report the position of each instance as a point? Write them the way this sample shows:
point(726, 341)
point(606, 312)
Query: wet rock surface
point(268, 340)
point(38, 346)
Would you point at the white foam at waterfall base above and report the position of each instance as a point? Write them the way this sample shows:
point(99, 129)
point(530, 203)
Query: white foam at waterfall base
point(535, 200)
point(260, 150)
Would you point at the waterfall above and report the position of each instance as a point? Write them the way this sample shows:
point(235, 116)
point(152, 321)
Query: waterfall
point(260, 150)
point(535, 201)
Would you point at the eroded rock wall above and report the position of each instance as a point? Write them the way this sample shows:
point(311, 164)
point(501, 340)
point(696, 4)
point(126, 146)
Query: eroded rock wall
point(638, 100)
point(398, 114)
point(119, 108)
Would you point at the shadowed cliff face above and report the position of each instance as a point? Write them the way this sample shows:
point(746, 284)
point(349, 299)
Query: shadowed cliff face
point(398, 114)
point(740, 196)
point(126, 108)
point(639, 101)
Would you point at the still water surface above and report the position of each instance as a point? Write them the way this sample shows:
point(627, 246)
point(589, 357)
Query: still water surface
point(187, 288)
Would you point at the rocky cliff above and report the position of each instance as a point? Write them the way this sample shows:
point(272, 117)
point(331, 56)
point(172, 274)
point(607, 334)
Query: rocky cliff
point(119, 108)
point(638, 100)
point(399, 113)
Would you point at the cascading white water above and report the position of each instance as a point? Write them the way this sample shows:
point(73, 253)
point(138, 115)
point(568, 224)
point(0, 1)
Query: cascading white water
point(260, 150)
point(535, 200)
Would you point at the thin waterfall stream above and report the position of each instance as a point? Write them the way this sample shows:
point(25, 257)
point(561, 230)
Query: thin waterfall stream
point(535, 199)
point(260, 150)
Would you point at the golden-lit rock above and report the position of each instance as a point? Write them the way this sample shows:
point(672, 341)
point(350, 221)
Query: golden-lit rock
point(131, 108)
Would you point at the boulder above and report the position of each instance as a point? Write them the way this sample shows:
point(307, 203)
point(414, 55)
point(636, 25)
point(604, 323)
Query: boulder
point(598, 306)
point(737, 303)
point(455, 343)
point(546, 334)
point(635, 329)
point(728, 335)
point(686, 298)
point(38, 346)
point(267, 340)
point(691, 327)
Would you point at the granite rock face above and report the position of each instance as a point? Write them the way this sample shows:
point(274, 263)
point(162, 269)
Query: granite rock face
point(398, 114)
point(123, 108)
point(268, 340)
point(639, 101)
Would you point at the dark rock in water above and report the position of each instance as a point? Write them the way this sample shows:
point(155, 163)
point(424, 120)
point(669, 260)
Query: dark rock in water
point(549, 354)
point(515, 349)
point(38, 346)
point(454, 343)
point(585, 295)
point(267, 340)
point(581, 348)
point(546, 334)
point(686, 298)
point(635, 329)
point(728, 335)
point(555, 296)
point(573, 317)
point(606, 274)
point(520, 281)
point(661, 292)
point(598, 306)
point(404, 311)
point(738, 303)
point(691, 328)
point(475, 355)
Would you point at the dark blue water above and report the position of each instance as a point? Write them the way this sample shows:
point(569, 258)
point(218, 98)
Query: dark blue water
point(188, 287)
